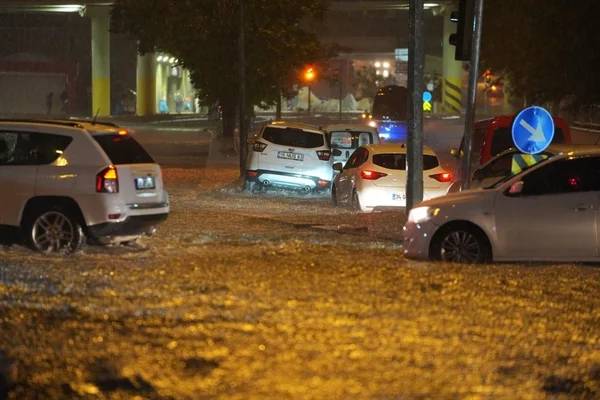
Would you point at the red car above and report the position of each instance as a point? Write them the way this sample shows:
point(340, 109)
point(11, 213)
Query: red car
point(492, 136)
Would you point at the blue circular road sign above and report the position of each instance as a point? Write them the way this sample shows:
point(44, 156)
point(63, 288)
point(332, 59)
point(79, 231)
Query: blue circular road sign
point(427, 96)
point(533, 130)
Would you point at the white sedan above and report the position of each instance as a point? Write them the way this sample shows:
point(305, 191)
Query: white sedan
point(375, 177)
point(548, 212)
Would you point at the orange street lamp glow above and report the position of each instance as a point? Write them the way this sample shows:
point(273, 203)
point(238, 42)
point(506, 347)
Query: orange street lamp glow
point(309, 74)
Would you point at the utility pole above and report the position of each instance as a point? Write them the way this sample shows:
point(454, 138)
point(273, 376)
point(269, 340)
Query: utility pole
point(416, 61)
point(242, 101)
point(472, 94)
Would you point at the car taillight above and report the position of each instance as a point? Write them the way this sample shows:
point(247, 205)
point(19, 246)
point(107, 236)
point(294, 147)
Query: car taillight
point(107, 180)
point(323, 155)
point(259, 146)
point(444, 177)
point(371, 175)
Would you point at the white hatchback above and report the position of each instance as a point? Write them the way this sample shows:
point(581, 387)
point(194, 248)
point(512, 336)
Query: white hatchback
point(64, 180)
point(548, 212)
point(289, 155)
point(375, 177)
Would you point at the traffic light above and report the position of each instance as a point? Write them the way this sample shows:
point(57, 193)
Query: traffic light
point(462, 39)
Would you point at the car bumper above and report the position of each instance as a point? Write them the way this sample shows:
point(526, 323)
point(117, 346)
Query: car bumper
point(373, 196)
point(417, 239)
point(288, 180)
point(136, 225)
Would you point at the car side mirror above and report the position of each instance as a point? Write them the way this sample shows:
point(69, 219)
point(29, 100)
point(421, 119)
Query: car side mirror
point(515, 189)
point(336, 152)
point(338, 166)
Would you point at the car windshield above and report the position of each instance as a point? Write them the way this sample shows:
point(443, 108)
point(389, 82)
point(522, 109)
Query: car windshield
point(293, 137)
point(520, 164)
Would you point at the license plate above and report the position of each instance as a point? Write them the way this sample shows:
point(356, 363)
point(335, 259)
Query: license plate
point(398, 196)
point(290, 156)
point(144, 183)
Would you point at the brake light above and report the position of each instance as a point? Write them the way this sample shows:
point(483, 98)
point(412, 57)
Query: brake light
point(323, 155)
point(251, 173)
point(323, 183)
point(443, 177)
point(259, 147)
point(371, 175)
point(107, 180)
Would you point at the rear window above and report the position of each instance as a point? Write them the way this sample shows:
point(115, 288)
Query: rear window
point(398, 161)
point(341, 140)
point(350, 139)
point(123, 149)
point(293, 137)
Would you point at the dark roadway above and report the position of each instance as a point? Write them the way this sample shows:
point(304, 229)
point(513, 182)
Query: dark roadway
point(285, 297)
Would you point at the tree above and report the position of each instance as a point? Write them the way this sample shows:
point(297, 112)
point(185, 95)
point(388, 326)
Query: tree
point(548, 50)
point(203, 35)
point(365, 82)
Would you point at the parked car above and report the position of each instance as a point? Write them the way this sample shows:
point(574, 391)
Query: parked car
point(509, 162)
point(494, 135)
point(289, 155)
point(547, 212)
point(375, 177)
point(64, 181)
point(345, 138)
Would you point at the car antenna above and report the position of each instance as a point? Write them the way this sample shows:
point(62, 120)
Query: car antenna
point(96, 116)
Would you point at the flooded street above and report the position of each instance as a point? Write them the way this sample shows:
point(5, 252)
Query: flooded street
point(245, 296)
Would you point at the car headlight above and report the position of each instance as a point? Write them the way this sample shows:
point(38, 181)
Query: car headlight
point(422, 214)
point(372, 124)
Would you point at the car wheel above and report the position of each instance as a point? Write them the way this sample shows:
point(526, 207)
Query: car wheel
point(461, 244)
point(334, 200)
point(356, 201)
point(253, 187)
point(55, 230)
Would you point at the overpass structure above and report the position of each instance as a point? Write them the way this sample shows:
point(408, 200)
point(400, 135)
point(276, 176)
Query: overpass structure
point(382, 38)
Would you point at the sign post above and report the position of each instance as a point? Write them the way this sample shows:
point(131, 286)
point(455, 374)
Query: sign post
point(472, 93)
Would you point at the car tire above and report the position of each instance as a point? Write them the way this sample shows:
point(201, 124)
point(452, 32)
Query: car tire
point(356, 202)
point(54, 230)
point(250, 186)
point(334, 200)
point(461, 243)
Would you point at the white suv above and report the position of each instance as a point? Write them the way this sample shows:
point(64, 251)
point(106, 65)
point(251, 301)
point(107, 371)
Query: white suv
point(64, 180)
point(292, 156)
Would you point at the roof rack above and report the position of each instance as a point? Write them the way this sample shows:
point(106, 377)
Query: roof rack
point(89, 121)
point(73, 124)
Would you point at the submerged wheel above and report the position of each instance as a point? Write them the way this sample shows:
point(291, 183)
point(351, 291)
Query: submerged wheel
point(461, 244)
point(356, 201)
point(55, 230)
point(334, 200)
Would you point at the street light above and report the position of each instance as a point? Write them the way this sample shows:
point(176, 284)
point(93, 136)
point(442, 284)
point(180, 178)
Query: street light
point(309, 76)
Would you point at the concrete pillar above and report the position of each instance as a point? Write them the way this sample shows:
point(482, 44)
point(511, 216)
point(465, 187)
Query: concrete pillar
point(100, 17)
point(452, 92)
point(146, 85)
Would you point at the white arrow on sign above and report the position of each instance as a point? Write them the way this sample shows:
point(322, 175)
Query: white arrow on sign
point(537, 134)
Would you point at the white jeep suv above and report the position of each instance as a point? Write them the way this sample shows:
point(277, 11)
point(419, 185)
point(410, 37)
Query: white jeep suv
point(64, 180)
point(294, 156)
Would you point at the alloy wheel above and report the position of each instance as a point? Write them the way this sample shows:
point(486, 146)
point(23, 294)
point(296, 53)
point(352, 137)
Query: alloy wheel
point(53, 232)
point(461, 246)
